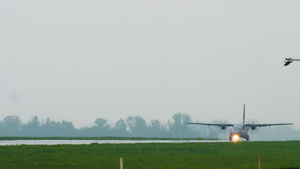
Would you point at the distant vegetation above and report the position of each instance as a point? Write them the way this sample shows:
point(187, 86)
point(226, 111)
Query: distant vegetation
point(100, 138)
point(133, 126)
point(226, 155)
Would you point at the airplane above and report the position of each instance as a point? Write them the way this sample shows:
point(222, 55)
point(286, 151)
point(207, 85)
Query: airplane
point(240, 130)
point(289, 61)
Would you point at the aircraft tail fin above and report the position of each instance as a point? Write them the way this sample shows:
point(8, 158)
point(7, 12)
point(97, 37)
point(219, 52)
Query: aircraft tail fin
point(244, 116)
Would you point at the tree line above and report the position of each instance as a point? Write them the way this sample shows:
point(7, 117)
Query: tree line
point(133, 126)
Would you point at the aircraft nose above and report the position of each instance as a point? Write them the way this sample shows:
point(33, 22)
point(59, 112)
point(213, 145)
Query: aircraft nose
point(235, 133)
point(235, 130)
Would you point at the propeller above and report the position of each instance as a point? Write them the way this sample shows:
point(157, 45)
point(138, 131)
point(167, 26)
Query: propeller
point(222, 122)
point(253, 128)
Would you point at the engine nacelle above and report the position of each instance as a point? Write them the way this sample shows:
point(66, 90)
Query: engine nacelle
point(223, 127)
point(253, 127)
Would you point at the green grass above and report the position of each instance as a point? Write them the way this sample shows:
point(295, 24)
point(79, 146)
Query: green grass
point(154, 155)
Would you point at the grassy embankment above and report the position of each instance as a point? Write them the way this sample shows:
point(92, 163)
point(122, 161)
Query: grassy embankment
point(154, 155)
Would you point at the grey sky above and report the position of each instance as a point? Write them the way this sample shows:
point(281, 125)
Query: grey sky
point(81, 60)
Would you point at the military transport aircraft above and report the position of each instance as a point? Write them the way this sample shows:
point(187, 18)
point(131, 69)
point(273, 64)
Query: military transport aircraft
point(240, 130)
point(289, 61)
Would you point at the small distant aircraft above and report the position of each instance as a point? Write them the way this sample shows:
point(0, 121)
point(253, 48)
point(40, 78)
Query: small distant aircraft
point(289, 61)
point(240, 130)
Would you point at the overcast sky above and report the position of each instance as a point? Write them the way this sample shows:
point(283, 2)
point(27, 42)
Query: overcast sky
point(82, 60)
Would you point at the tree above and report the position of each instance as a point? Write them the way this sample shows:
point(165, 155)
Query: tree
point(32, 127)
point(180, 121)
point(179, 127)
point(120, 128)
point(2, 129)
point(137, 124)
point(34, 123)
point(51, 128)
point(11, 126)
point(67, 125)
point(120, 125)
point(155, 124)
point(67, 128)
point(156, 129)
point(100, 122)
point(12, 122)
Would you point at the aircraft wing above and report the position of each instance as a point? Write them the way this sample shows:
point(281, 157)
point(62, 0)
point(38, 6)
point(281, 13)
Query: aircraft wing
point(267, 125)
point(213, 124)
point(287, 63)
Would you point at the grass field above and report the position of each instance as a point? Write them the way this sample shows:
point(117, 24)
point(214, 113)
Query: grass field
point(154, 155)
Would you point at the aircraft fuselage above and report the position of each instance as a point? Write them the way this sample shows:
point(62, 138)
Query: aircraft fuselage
point(240, 131)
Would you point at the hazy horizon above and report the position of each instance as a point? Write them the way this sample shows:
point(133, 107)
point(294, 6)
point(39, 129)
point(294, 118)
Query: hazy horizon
point(82, 60)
